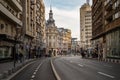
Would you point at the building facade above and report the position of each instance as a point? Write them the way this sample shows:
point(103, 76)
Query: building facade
point(60, 39)
point(43, 25)
point(112, 28)
point(40, 24)
point(67, 40)
point(29, 24)
point(34, 24)
point(10, 26)
point(21, 21)
point(51, 35)
point(85, 26)
point(68, 34)
point(97, 24)
point(64, 40)
point(75, 47)
point(106, 26)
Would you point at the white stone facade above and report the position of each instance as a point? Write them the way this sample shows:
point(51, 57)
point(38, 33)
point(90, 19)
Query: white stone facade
point(85, 26)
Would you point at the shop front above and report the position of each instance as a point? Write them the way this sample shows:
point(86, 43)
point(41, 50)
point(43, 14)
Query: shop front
point(113, 44)
point(6, 46)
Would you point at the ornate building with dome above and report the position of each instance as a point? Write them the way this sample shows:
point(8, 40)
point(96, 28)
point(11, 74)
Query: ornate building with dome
point(51, 35)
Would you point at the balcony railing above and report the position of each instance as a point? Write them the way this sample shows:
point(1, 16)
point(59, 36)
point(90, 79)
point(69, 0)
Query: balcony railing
point(10, 15)
point(16, 4)
point(109, 14)
point(112, 25)
point(108, 5)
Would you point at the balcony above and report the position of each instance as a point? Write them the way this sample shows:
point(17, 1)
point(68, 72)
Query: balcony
point(108, 6)
point(99, 5)
point(98, 16)
point(16, 4)
point(7, 13)
point(109, 14)
point(117, 8)
point(112, 25)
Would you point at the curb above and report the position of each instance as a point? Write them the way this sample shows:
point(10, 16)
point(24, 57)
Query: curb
point(107, 60)
point(54, 71)
point(112, 60)
point(6, 74)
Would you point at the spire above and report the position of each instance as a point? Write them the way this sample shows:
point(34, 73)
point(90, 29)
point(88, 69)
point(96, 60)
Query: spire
point(51, 14)
point(87, 1)
point(50, 4)
point(50, 7)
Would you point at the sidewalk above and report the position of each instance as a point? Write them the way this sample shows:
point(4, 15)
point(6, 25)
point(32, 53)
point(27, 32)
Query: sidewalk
point(7, 68)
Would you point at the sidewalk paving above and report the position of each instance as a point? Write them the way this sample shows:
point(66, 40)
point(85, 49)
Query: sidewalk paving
point(7, 68)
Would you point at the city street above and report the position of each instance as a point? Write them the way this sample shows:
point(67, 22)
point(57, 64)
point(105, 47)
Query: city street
point(59, 40)
point(39, 70)
point(70, 68)
point(75, 68)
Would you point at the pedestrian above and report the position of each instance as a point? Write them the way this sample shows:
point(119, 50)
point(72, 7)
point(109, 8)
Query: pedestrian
point(82, 53)
point(21, 52)
point(50, 53)
point(100, 54)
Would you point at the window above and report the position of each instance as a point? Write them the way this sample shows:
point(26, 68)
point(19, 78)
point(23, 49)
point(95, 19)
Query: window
point(49, 37)
point(6, 27)
point(50, 44)
point(1, 26)
point(116, 15)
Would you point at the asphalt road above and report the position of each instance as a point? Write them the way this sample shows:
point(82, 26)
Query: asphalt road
point(69, 68)
point(76, 68)
point(39, 70)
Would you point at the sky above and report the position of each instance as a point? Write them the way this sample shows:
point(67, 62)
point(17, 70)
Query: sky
point(66, 14)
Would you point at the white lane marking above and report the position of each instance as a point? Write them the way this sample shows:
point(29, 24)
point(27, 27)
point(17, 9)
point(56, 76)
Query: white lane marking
point(106, 75)
point(107, 65)
point(36, 70)
point(54, 71)
point(33, 76)
point(34, 73)
point(80, 65)
point(19, 70)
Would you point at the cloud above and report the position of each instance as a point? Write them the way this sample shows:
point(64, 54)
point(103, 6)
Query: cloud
point(66, 4)
point(66, 18)
point(66, 14)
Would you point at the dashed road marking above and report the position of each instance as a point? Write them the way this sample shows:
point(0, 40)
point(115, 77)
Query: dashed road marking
point(36, 70)
point(54, 71)
point(34, 73)
point(33, 76)
point(10, 77)
point(81, 65)
point(106, 75)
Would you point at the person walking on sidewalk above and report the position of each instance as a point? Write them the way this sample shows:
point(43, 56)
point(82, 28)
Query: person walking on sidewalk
point(21, 52)
point(100, 53)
